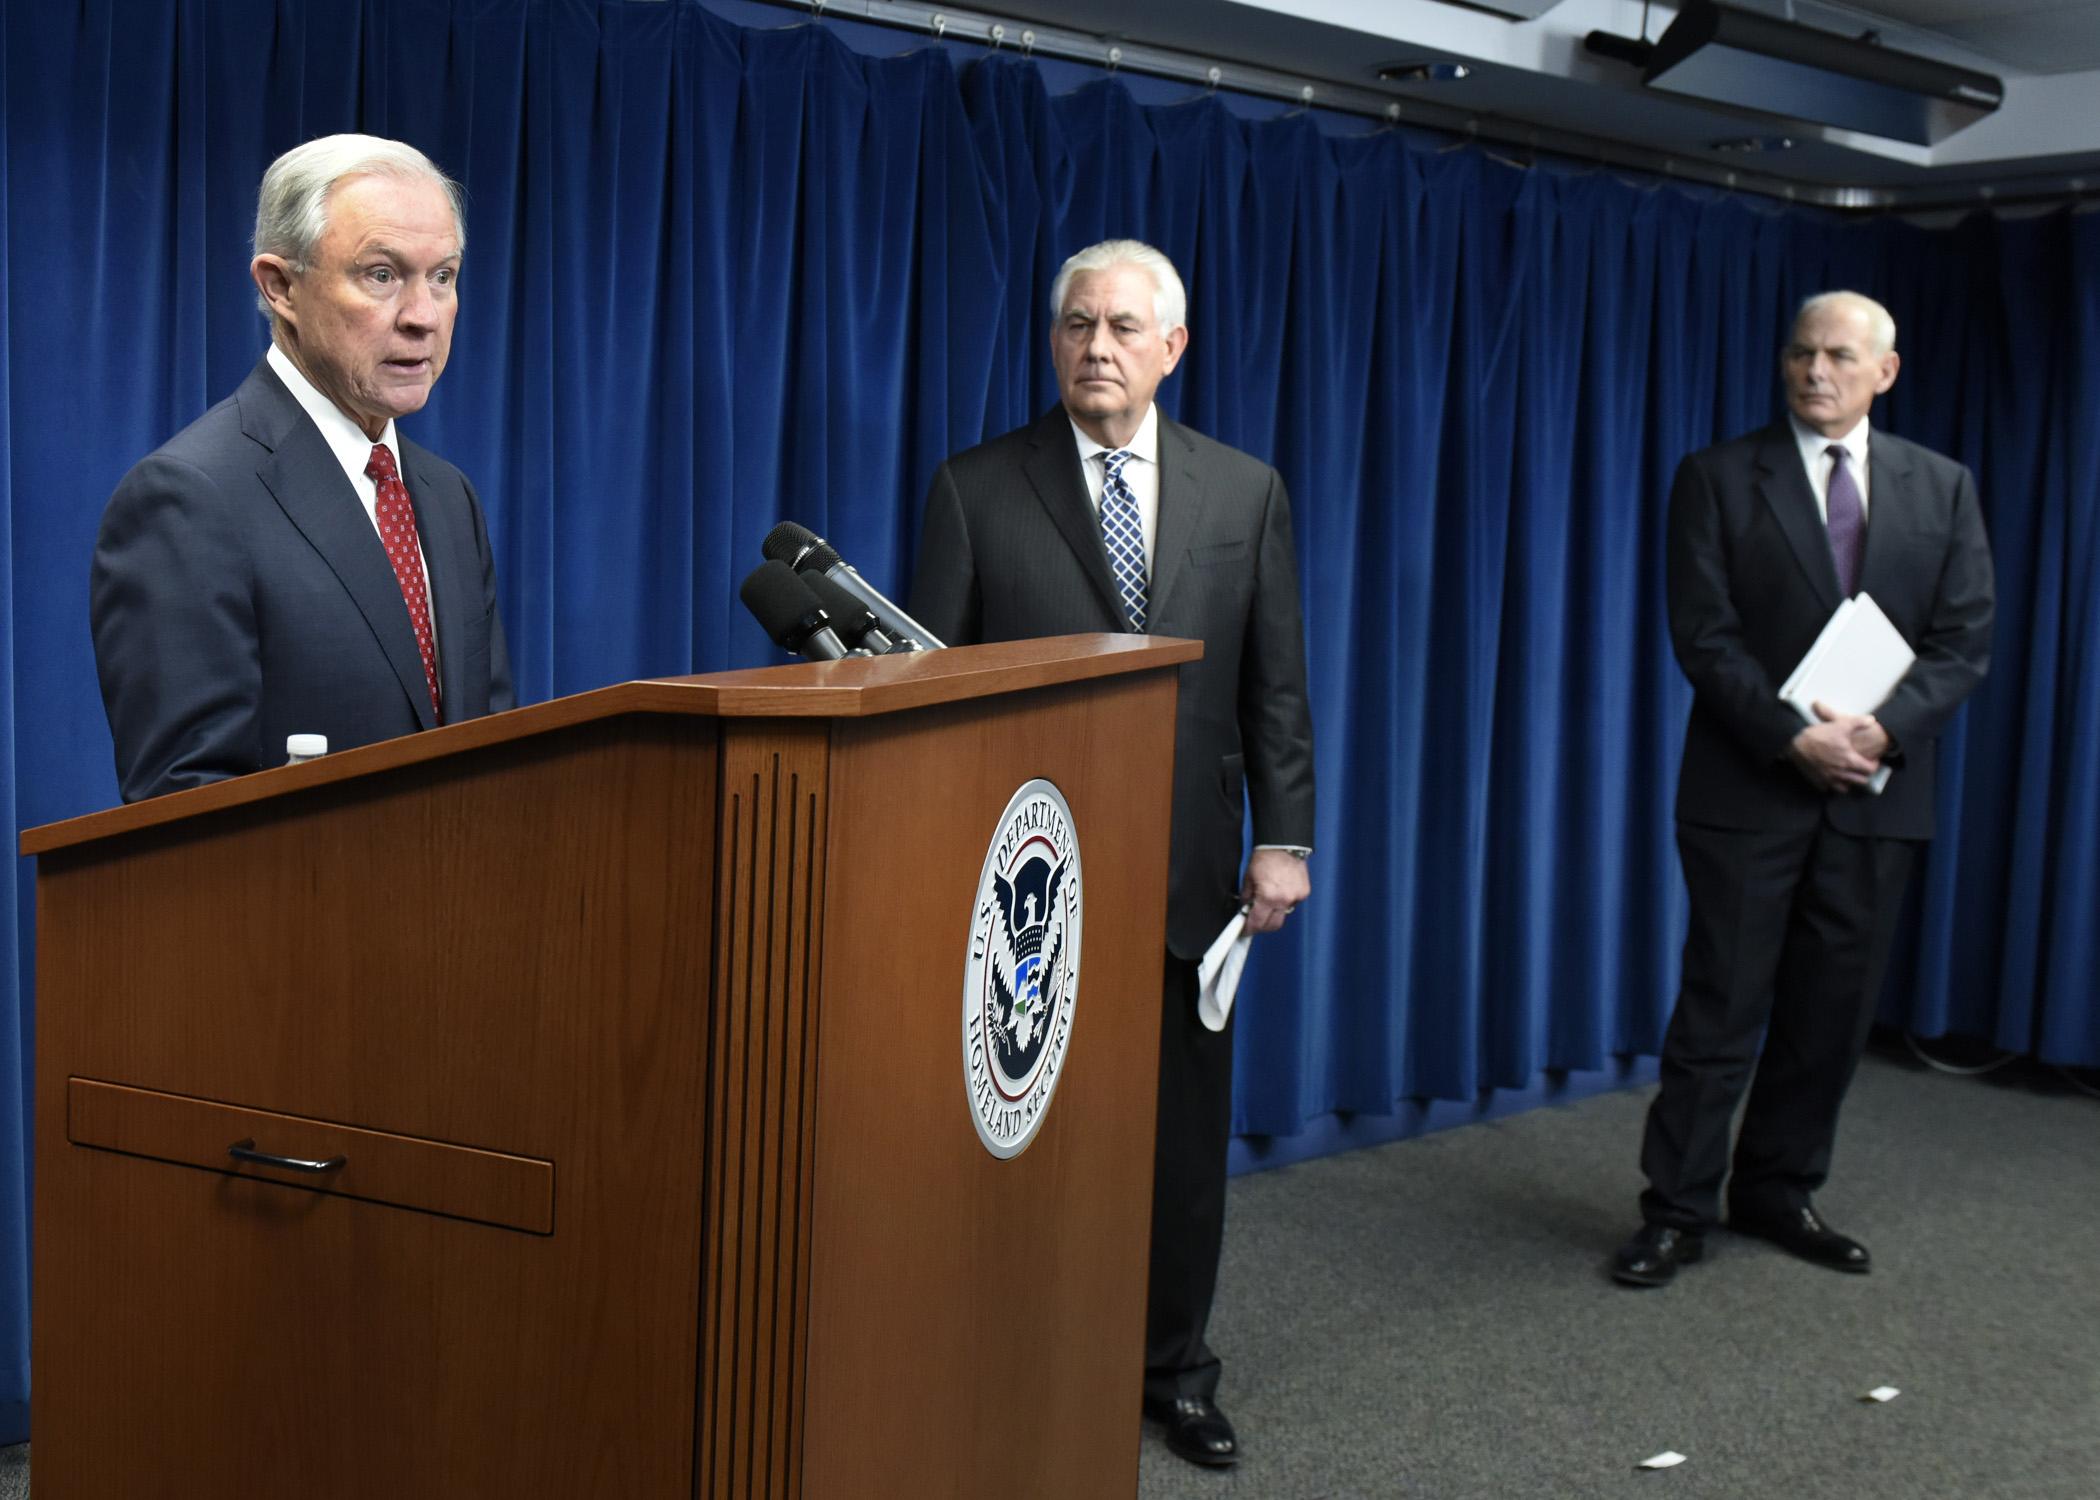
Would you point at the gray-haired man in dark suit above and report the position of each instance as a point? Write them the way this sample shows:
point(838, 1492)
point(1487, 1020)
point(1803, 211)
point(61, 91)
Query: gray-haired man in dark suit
point(1794, 867)
point(1102, 515)
point(288, 564)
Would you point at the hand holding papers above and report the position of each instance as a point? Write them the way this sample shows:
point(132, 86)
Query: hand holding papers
point(1853, 667)
point(1218, 973)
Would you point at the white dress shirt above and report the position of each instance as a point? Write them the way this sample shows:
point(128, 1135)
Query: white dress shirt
point(1815, 457)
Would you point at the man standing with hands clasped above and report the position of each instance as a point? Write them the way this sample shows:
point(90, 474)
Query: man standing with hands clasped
point(1102, 515)
point(1794, 867)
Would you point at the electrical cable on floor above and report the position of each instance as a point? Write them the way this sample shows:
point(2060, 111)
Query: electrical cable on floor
point(1959, 1070)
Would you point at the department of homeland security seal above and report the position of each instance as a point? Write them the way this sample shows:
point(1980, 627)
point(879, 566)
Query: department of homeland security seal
point(1022, 978)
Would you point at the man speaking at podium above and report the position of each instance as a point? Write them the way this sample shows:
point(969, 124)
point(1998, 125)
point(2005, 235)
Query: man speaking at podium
point(1102, 515)
point(287, 564)
point(1794, 866)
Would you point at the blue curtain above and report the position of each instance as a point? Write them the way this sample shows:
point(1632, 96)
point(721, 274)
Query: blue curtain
point(718, 276)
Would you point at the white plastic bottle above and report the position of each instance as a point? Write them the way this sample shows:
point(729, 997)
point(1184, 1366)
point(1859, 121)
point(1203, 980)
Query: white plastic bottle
point(304, 747)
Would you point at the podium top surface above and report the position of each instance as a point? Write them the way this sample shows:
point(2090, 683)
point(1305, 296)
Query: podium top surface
point(856, 688)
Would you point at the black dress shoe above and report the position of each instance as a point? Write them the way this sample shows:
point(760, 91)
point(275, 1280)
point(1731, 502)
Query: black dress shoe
point(1197, 1430)
point(1651, 1258)
point(1799, 1230)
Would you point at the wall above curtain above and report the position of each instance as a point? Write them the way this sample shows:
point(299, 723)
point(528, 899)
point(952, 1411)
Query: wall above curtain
point(719, 276)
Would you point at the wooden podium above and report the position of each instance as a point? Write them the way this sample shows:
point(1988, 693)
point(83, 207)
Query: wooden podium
point(611, 1056)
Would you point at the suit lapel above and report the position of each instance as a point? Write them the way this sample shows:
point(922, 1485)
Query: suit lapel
point(1053, 471)
point(1888, 470)
point(303, 475)
point(1783, 484)
point(1180, 515)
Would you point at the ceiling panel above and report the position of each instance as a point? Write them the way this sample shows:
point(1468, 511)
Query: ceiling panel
point(2030, 36)
point(2057, 42)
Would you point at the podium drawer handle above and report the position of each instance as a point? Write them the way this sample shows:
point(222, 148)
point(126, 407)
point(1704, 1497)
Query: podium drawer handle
point(245, 1151)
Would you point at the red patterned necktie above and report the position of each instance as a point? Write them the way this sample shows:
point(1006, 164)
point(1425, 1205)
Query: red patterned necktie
point(397, 529)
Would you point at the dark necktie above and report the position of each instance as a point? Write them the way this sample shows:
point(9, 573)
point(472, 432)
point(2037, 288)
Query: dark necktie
point(397, 529)
point(1847, 519)
point(1124, 535)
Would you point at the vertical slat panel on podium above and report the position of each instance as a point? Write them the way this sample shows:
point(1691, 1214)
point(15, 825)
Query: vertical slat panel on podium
point(761, 1107)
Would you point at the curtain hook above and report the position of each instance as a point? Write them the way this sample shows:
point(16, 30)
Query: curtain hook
point(1028, 44)
point(940, 26)
point(1216, 75)
point(1115, 58)
point(998, 34)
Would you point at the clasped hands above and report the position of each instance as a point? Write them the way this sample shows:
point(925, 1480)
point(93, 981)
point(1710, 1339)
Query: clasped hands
point(1840, 751)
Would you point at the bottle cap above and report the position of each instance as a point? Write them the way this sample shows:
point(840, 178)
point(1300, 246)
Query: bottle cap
point(305, 746)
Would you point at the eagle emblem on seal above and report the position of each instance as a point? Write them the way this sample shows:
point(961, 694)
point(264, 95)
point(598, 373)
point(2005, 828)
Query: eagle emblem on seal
point(1027, 962)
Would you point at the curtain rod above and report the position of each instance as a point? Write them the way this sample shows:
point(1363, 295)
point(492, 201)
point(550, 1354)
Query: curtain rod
point(1000, 33)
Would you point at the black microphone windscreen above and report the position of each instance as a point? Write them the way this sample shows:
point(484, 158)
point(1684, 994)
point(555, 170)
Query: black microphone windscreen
point(780, 600)
point(787, 541)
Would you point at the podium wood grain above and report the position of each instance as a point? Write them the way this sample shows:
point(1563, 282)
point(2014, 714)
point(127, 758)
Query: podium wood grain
point(637, 1018)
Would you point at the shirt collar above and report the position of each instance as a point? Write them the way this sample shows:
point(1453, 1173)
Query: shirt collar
point(1814, 445)
point(1144, 445)
point(346, 440)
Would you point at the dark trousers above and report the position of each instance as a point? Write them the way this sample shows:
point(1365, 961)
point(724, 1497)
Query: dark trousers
point(1789, 936)
point(1188, 1193)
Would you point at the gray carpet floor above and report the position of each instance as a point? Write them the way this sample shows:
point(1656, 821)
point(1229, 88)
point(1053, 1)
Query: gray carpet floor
point(1433, 1318)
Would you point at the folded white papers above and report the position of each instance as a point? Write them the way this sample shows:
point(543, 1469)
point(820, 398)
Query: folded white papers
point(1218, 974)
point(1853, 667)
point(1669, 1459)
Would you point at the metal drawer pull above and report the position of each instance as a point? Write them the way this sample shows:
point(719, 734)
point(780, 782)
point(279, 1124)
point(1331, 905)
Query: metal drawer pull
point(245, 1151)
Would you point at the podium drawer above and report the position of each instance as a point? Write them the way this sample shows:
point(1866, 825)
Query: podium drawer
point(464, 1182)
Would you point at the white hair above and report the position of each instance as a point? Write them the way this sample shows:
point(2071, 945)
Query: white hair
point(1881, 326)
point(291, 211)
point(1170, 301)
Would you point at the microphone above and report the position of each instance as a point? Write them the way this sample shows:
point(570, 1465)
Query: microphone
point(853, 620)
point(790, 613)
point(806, 552)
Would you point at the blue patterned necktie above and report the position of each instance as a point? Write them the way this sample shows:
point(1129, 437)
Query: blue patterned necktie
point(1124, 535)
point(1847, 520)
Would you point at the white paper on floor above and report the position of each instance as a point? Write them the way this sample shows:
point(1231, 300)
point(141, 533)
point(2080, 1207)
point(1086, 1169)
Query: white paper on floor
point(1663, 1460)
point(1882, 1393)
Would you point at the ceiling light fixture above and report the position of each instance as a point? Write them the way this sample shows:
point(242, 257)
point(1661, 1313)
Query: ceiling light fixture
point(1720, 52)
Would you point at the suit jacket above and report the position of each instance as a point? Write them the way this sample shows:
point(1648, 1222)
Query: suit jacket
point(1012, 548)
point(240, 594)
point(1751, 584)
